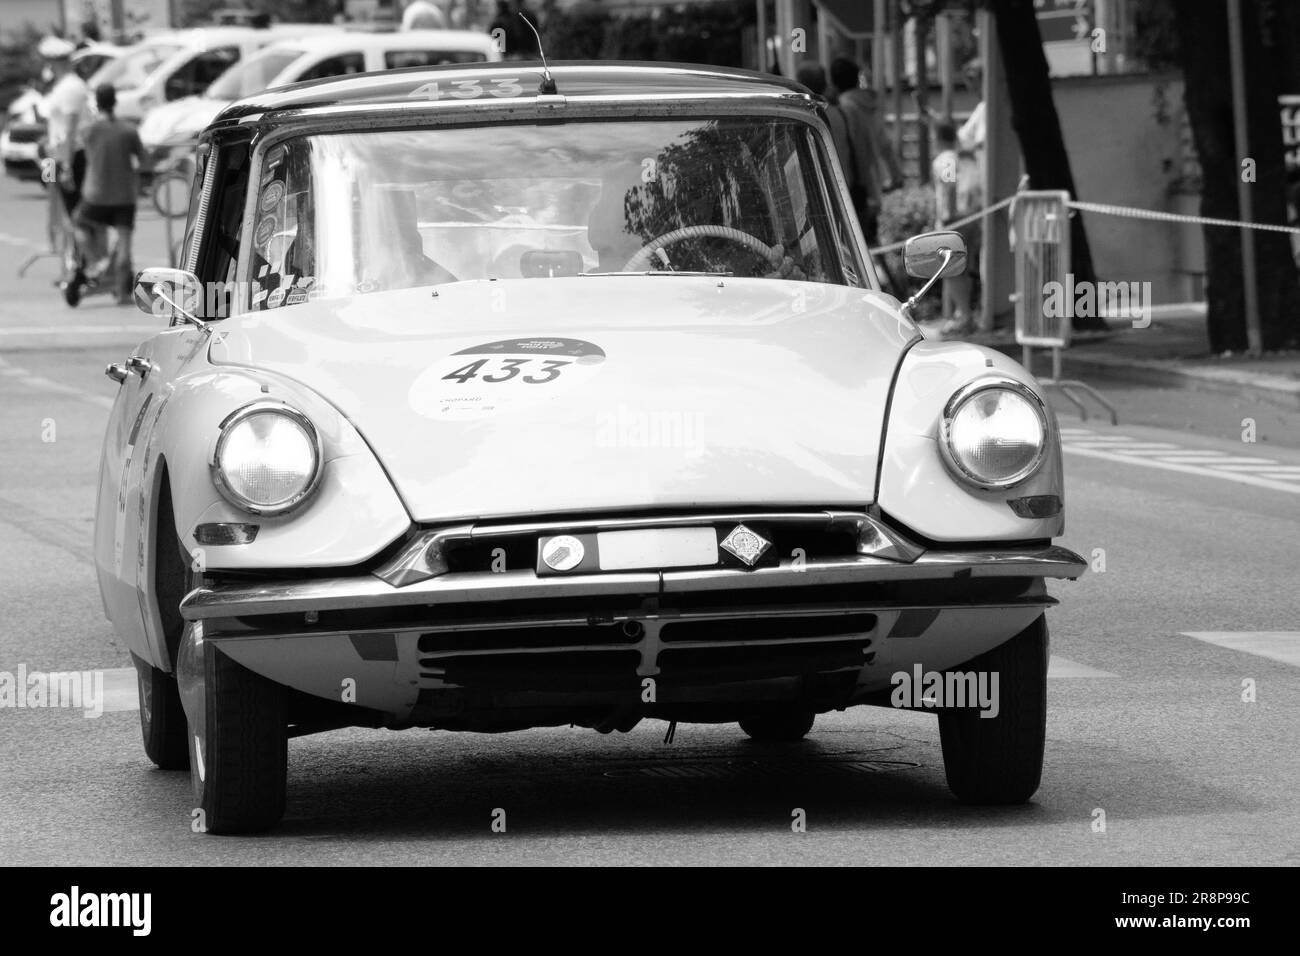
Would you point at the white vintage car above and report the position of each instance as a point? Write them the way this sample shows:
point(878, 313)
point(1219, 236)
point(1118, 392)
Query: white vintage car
point(492, 398)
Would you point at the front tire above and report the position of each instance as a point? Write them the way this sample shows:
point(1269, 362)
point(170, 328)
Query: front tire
point(162, 721)
point(779, 726)
point(999, 760)
point(238, 747)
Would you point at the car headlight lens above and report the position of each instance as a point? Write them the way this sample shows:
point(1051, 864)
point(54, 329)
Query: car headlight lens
point(994, 433)
point(268, 458)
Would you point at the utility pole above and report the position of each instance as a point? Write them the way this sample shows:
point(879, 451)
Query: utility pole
point(1245, 209)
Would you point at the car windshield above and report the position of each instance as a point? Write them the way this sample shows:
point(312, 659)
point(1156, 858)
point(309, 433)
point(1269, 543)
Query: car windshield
point(132, 68)
point(253, 75)
point(356, 212)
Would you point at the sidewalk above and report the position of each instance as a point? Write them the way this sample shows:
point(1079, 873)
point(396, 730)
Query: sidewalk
point(1171, 353)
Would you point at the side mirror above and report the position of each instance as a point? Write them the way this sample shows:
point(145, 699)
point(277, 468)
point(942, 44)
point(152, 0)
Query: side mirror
point(924, 255)
point(173, 294)
point(932, 256)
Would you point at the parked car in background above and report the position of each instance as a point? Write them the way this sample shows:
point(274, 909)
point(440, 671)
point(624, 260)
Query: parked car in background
point(170, 131)
point(92, 58)
point(489, 399)
point(174, 65)
point(20, 140)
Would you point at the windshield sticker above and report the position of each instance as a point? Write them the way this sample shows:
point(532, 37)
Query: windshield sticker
point(275, 156)
point(265, 230)
point(271, 195)
point(501, 376)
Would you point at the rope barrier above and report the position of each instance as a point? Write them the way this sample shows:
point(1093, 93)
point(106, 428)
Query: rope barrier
point(1130, 212)
point(956, 224)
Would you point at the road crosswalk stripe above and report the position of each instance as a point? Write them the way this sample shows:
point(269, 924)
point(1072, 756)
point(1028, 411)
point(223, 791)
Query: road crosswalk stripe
point(1064, 668)
point(1282, 646)
point(1243, 469)
point(1217, 460)
point(121, 692)
point(51, 330)
point(49, 385)
point(1240, 477)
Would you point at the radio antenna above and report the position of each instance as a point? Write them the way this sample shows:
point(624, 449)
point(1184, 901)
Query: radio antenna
point(547, 86)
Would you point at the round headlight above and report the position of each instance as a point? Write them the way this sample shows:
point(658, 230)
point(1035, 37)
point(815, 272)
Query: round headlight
point(268, 458)
point(994, 433)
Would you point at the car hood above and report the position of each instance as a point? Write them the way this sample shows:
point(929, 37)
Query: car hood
point(532, 396)
point(181, 119)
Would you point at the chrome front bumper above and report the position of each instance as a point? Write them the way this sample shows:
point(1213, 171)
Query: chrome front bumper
point(366, 591)
point(450, 645)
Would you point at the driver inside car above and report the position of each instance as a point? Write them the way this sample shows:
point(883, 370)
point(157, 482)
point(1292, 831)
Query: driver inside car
point(615, 244)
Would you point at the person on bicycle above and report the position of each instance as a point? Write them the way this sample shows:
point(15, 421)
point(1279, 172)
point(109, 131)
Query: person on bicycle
point(114, 158)
point(66, 108)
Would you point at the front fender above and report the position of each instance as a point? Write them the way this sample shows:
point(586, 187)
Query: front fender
point(353, 514)
point(917, 488)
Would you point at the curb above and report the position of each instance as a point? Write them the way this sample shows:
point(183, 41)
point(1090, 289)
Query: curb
point(1273, 389)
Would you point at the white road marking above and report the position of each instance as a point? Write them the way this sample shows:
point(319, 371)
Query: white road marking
point(1245, 470)
point(78, 330)
point(1273, 469)
point(1063, 667)
point(19, 241)
point(1283, 646)
point(1216, 460)
point(121, 692)
point(49, 385)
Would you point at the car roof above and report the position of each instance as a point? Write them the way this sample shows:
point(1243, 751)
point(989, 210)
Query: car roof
point(574, 81)
point(467, 40)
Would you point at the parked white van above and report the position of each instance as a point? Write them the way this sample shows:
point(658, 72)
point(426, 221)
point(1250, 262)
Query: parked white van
point(175, 126)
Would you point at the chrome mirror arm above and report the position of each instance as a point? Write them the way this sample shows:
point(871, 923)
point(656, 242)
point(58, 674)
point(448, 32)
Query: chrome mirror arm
point(186, 316)
point(910, 304)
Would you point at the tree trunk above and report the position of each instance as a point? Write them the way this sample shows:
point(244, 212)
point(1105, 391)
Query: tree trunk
point(1202, 27)
point(1037, 126)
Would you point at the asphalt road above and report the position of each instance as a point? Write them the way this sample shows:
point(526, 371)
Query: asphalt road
point(1195, 528)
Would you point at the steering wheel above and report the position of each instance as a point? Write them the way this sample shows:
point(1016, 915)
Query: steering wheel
point(640, 261)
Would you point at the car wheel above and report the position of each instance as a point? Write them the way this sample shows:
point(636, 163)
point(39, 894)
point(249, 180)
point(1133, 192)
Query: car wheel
point(162, 721)
point(238, 743)
point(779, 726)
point(992, 760)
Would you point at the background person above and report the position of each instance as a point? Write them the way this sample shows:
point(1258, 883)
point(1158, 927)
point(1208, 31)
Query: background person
point(868, 160)
point(114, 154)
point(66, 108)
point(957, 192)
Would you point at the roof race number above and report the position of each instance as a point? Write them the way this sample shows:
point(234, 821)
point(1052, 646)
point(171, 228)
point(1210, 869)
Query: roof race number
point(467, 89)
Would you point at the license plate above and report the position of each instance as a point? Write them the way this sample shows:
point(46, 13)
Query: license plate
point(657, 548)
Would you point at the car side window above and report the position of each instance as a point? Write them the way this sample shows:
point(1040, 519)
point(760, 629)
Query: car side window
point(339, 65)
point(399, 59)
point(197, 75)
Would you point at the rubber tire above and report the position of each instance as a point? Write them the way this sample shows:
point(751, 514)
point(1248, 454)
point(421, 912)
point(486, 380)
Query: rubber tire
point(73, 288)
point(240, 780)
point(162, 720)
point(999, 760)
point(779, 726)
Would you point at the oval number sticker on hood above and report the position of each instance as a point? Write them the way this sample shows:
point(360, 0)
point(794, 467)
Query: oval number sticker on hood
point(497, 376)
